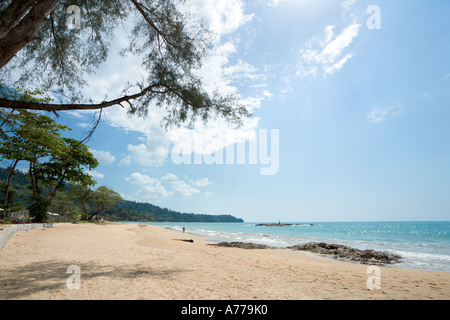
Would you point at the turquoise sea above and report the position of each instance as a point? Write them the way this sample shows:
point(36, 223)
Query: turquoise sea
point(423, 245)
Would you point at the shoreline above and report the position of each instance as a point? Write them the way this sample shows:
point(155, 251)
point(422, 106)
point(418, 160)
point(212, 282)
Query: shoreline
point(135, 261)
point(409, 255)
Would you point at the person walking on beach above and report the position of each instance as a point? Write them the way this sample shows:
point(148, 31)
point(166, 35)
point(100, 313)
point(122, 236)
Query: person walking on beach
point(184, 229)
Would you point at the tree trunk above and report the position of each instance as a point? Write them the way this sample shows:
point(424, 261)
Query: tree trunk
point(34, 183)
point(11, 15)
point(56, 188)
point(15, 35)
point(92, 216)
point(8, 185)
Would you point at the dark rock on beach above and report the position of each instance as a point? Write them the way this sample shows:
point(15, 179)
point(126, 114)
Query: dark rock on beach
point(337, 251)
point(371, 257)
point(241, 245)
point(185, 240)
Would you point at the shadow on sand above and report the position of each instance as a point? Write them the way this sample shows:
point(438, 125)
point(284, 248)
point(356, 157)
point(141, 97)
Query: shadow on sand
point(20, 282)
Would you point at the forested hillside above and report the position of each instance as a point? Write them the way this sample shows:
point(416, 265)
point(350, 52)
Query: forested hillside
point(122, 211)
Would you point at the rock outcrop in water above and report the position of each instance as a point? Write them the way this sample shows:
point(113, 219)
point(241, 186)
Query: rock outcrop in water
point(282, 224)
point(338, 251)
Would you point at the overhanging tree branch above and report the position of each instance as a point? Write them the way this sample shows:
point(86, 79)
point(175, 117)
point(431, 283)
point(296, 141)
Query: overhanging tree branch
point(163, 90)
point(25, 105)
point(171, 44)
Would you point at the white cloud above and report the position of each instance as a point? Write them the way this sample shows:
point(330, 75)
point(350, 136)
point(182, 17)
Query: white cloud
point(242, 70)
point(126, 161)
point(213, 70)
point(151, 155)
point(83, 125)
point(380, 114)
point(267, 94)
point(150, 188)
point(179, 185)
point(170, 177)
point(166, 186)
point(104, 157)
point(141, 179)
point(214, 137)
point(274, 3)
point(326, 54)
point(334, 48)
point(202, 182)
point(183, 188)
point(220, 16)
point(153, 191)
point(347, 4)
point(76, 114)
point(427, 94)
point(95, 174)
point(351, 10)
point(155, 149)
point(219, 73)
point(338, 65)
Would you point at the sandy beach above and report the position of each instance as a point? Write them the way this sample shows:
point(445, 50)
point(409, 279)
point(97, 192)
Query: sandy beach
point(130, 261)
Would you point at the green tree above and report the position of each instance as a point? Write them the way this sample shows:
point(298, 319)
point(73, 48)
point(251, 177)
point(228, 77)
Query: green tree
point(68, 163)
point(30, 137)
point(9, 122)
point(63, 204)
point(170, 44)
point(104, 199)
point(82, 195)
point(52, 159)
point(9, 205)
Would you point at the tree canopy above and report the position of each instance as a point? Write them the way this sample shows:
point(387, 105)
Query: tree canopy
point(36, 41)
point(53, 160)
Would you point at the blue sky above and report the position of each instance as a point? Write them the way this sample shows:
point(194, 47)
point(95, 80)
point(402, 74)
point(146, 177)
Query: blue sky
point(362, 115)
